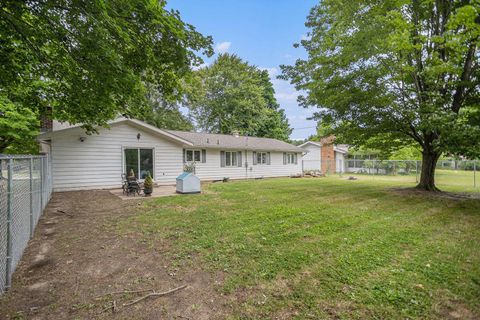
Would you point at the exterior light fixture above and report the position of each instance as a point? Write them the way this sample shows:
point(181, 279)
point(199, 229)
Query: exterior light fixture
point(82, 139)
point(138, 136)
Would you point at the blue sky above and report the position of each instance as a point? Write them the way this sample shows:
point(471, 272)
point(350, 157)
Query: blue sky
point(261, 32)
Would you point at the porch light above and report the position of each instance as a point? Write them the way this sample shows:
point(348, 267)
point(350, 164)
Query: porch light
point(138, 136)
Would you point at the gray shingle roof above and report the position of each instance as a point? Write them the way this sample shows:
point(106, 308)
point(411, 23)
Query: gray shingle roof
point(224, 141)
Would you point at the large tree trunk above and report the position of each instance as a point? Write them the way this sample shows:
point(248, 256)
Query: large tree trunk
point(427, 177)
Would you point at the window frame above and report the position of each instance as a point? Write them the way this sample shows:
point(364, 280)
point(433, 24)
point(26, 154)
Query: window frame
point(290, 158)
point(230, 162)
point(193, 155)
point(137, 174)
point(263, 156)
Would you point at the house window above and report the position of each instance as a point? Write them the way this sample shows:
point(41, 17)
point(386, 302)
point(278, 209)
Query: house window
point(261, 158)
point(230, 158)
point(140, 161)
point(290, 158)
point(193, 155)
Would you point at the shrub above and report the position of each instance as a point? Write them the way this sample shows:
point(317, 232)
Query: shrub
point(148, 183)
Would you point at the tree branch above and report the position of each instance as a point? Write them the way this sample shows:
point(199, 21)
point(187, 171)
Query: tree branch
point(459, 95)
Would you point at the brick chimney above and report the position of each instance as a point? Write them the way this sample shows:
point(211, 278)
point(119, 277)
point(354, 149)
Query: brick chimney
point(327, 154)
point(46, 122)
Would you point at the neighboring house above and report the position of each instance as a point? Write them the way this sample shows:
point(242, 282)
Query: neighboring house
point(81, 161)
point(324, 155)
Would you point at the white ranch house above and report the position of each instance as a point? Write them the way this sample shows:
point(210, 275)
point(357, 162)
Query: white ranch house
point(97, 161)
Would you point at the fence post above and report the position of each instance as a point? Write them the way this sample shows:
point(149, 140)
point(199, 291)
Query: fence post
point(31, 197)
point(9, 223)
point(42, 171)
point(474, 173)
point(416, 171)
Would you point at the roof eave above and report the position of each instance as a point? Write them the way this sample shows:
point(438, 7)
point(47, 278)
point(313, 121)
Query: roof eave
point(318, 144)
point(137, 123)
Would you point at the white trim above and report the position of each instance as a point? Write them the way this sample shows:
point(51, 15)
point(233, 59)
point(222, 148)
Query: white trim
point(232, 152)
point(153, 174)
point(266, 158)
point(310, 142)
point(134, 122)
point(343, 151)
point(288, 154)
point(193, 155)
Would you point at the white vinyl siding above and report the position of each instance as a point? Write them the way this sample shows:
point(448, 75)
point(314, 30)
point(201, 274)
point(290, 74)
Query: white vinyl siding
point(312, 159)
point(98, 162)
point(212, 170)
point(339, 162)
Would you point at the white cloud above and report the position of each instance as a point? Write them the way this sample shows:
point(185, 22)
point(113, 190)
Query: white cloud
point(286, 96)
point(222, 47)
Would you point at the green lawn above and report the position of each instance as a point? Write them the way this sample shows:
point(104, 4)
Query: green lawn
point(326, 247)
point(446, 180)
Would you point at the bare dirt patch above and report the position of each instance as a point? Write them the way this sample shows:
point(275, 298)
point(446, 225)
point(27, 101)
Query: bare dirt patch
point(76, 257)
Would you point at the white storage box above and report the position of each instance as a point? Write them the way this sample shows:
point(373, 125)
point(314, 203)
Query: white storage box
point(188, 183)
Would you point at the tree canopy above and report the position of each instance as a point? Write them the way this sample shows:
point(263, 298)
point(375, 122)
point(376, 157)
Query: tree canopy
point(392, 73)
point(90, 61)
point(17, 124)
point(231, 95)
point(165, 114)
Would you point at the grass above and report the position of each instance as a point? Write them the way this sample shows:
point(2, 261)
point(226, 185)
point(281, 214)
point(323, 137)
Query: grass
point(446, 180)
point(326, 247)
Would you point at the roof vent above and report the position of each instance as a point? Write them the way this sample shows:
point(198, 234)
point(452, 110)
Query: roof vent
point(235, 133)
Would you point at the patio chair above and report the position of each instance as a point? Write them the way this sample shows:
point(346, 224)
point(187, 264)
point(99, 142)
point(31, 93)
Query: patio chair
point(130, 185)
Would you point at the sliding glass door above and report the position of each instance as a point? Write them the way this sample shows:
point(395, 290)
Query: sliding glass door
point(140, 161)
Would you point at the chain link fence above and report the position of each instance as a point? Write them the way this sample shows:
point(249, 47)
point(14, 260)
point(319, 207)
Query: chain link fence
point(25, 189)
point(455, 175)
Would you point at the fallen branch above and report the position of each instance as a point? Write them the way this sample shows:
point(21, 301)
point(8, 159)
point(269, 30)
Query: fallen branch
point(154, 294)
point(123, 292)
point(112, 307)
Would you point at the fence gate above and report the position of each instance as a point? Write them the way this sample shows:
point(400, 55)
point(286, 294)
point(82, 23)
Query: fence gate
point(25, 189)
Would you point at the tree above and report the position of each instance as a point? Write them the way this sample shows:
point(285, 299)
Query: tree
point(231, 95)
point(169, 117)
point(17, 125)
point(165, 114)
point(90, 61)
point(324, 129)
point(392, 73)
point(406, 153)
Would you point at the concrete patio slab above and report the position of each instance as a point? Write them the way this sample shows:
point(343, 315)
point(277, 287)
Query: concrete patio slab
point(158, 191)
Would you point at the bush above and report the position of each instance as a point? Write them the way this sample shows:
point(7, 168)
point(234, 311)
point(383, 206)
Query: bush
point(148, 183)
